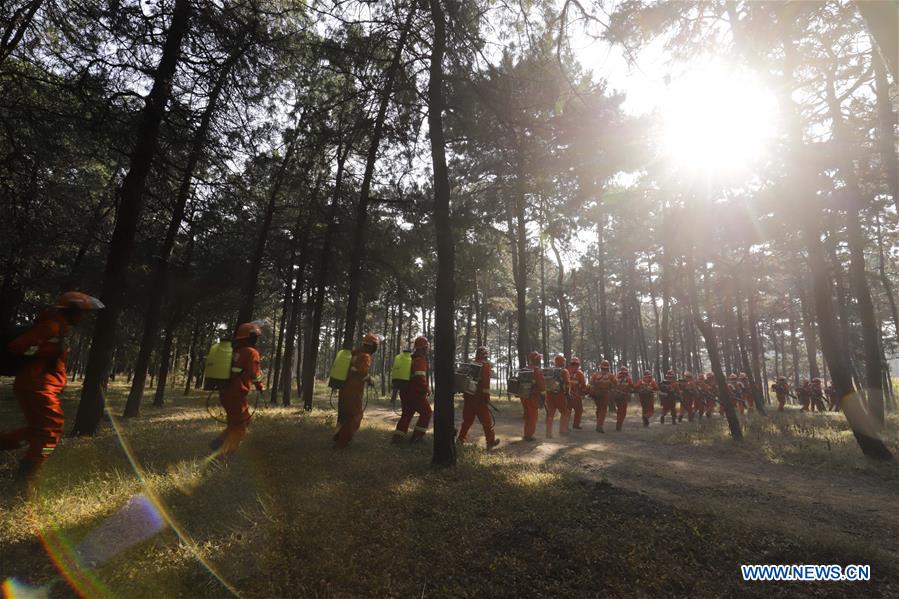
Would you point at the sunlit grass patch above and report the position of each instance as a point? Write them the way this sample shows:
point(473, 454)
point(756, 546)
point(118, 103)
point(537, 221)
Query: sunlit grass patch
point(289, 516)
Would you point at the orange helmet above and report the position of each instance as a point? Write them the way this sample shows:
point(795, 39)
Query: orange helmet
point(623, 370)
point(670, 374)
point(559, 360)
point(743, 375)
point(371, 339)
point(421, 342)
point(709, 376)
point(481, 352)
point(732, 377)
point(575, 361)
point(534, 357)
point(688, 375)
point(247, 330)
point(604, 365)
point(647, 373)
point(79, 301)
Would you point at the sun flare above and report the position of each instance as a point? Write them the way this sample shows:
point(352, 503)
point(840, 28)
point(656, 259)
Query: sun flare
point(717, 121)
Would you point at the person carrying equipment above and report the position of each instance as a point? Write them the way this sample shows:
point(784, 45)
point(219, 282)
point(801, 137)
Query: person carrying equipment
point(746, 393)
point(602, 384)
point(478, 403)
point(557, 397)
point(414, 396)
point(624, 386)
point(577, 389)
point(689, 396)
point(711, 397)
point(669, 393)
point(804, 395)
point(817, 395)
point(531, 402)
point(646, 389)
point(781, 390)
point(736, 393)
point(245, 374)
point(350, 397)
point(42, 376)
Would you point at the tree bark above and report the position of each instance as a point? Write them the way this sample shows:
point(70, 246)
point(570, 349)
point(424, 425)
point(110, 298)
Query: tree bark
point(886, 129)
point(310, 351)
point(857, 271)
point(444, 368)
point(92, 404)
point(159, 285)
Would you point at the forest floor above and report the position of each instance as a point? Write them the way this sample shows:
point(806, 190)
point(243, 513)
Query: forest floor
point(663, 511)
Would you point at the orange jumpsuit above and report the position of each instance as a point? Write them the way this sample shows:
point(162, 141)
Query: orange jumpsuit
point(414, 398)
point(37, 387)
point(736, 394)
point(646, 389)
point(817, 396)
point(601, 386)
point(804, 393)
point(349, 398)
point(689, 394)
point(531, 403)
point(245, 374)
point(748, 399)
point(781, 390)
point(622, 396)
point(478, 405)
point(558, 400)
point(669, 391)
point(699, 397)
point(576, 393)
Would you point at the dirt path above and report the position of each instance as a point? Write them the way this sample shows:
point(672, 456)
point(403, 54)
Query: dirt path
point(807, 502)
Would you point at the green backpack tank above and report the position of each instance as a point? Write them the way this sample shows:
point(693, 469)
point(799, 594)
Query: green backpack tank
point(218, 366)
point(401, 373)
point(340, 369)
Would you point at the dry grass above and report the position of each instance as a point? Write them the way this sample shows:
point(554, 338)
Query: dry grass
point(289, 517)
point(799, 438)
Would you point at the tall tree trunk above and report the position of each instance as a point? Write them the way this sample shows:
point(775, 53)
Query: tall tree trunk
point(886, 129)
point(544, 325)
point(885, 280)
point(131, 204)
point(310, 351)
point(800, 186)
point(248, 293)
point(808, 331)
point(564, 316)
point(159, 286)
point(444, 368)
point(295, 301)
point(359, 233)
point(191, 356)
point(521, 278)
point(165, 359)
point(601, 268)
point(282, 324)
point(857, 272)
point(656, 322)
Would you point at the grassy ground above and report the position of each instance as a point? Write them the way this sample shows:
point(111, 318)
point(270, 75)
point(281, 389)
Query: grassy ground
point(289, 517)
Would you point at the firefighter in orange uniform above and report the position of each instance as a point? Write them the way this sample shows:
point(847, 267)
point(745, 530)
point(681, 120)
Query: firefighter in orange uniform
point(42, 377)
point(689, 393)
point(414, 396)
point(349, 398)
point(624, 386)
point(817, 395)
point(245, 374)
point(669, 392)
point(531, 403)
point(736, 393)
point(577, 390)
point(646, 389)
point(781, 390)
point(478, 403)
point(711, 388)
point(602, 385)
point(557, 398)
point(746, 391)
